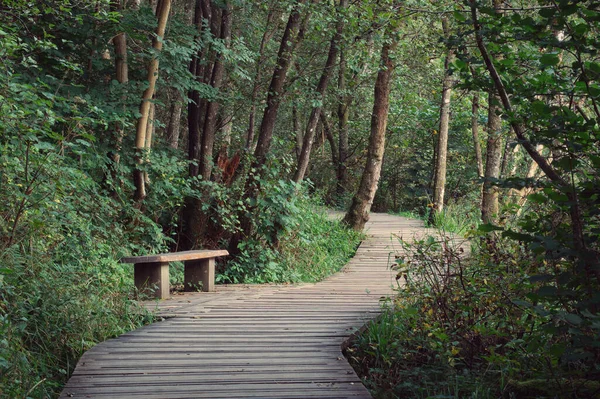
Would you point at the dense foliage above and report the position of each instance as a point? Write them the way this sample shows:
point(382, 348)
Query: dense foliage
point(67, 215)
point(518, 316)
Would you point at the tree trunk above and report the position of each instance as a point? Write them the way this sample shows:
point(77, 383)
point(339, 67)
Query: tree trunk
point(162, 14)
point(475, 132)
point(122, 76)
point(297, 131)
point(520, 196)
point(311, 126)
point(197, 106)
point(343, 115)
point(493, 160)
point(212, 107)
point(267, 36)
point(150, 128)
point(330, 138)
point(358, 214)
point(439, 177)
point(174, 126)
point(509, 157)
point(284, 60)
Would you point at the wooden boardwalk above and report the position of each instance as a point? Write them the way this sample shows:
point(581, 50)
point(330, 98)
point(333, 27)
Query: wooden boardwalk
point(268, 341)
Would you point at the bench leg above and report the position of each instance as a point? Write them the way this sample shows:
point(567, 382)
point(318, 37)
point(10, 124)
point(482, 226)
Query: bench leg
point(199, 272)
point(152, 279)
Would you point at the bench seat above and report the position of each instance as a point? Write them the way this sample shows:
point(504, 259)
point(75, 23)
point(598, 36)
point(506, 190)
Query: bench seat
point(151, 272)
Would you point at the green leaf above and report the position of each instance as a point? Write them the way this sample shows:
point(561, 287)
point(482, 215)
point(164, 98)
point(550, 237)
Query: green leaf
point(486, 228)
point(547, 12)
point(547, 291)
point(540, 277)
point(550, 59)
point(517, 236)
point(460, 16)
point(520, 302)
point(537, 198)
point(572, 318)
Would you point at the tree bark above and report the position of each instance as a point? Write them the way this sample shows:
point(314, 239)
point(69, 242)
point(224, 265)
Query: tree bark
point(284, 60)
point(475, 133)
point(311, 126)
point(162, 14)
point(489, 198)
point(150, 128)
point(330, 138)
point(509, 157)
point(343, 116)
point(493, 159)
point(266, 38)
point(439, 177)
point(197, 106)
point(520, 196)
point(358, 214)
point(174, 126)
point(212, 107)
point(122, 76)
point(297, 131)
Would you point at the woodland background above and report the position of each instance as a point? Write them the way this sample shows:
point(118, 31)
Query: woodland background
point(135, 127)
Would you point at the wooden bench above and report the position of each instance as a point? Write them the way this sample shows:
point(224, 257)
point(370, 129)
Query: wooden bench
point(151, 273)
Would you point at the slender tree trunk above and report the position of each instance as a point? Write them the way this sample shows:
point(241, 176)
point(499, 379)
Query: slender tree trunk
point(489, 199)
point(174, 126)
point(162, 14)
point(475, 132)
point(212, 107)
point(358, 214)
point(122, 76)
point(225, 126)
point(510, 157)
point(173, 131)
point(197, 106)
point(343, 116)
point(266, 38)
point(330, 138)
point(297, 131)
point(439, 179)
point(284, 60)
point(493, 162)
point(520, 196)
point(150, 129)
point(321, 88)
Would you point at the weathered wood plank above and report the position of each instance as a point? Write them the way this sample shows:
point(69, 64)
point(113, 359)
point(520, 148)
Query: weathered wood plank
point(176, 256)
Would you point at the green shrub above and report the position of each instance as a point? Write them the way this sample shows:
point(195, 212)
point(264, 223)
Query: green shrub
point(295, 240)
point(460, 328)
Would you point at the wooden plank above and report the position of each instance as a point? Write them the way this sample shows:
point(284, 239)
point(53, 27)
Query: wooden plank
point(176, 256)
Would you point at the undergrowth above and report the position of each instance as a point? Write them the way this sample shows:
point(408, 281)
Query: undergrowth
point(62, 289)
point(458, 216)
point(459, 329)
point(309, 246)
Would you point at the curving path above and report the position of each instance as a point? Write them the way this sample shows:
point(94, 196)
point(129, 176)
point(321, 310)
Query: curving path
point(268, 341)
